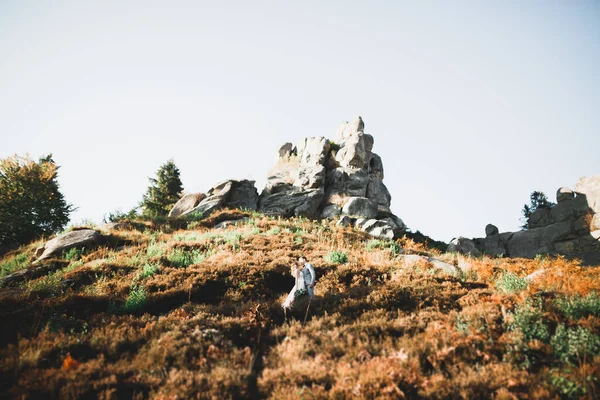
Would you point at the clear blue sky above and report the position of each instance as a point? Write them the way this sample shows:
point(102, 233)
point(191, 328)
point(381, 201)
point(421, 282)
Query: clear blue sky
point(473, 105)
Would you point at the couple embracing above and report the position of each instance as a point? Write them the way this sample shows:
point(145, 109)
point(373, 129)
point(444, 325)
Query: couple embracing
point(304, 275)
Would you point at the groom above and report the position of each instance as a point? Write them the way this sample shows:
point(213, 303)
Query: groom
point(308, 273)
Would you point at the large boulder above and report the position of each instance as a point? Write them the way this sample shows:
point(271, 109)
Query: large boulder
point(463, 245)
point(539, 218)
point(186, 203)
point(491, 230)
point(525, 244)
point(353, 153)
point(378, 229)
point(497, 245)
point(83, 238)
point(294, 202)
point(563, 194)
point(360, 207)
point(378, 192)
point(590, 187)
point(231, 194)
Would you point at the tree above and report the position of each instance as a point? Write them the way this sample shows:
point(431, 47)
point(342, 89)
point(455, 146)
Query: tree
point(31, 204)
point(163, 192)
point(538, 200)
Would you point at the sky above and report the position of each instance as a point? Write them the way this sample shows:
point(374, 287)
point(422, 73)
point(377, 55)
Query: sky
point(473, 105)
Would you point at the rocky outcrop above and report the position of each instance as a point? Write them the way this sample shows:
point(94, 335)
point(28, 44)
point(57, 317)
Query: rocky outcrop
point(321, 178)
point(571, 228)
point(83, 238)
point(463, 245)
point(229, 194)
point(187, 203)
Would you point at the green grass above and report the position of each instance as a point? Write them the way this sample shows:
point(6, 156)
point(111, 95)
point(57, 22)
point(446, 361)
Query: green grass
point(337, 257)
point(13, 264)
point(156, 250)
point(511, 283)
point(384, 244)
point(273, 231)
point(577, 307)
point(181, 258)
point(73, 254)
point(136, 299)
point(148, 270)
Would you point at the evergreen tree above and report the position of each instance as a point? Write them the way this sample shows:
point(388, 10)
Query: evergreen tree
point(538, 200)
point(31, 204)
point(163, 192)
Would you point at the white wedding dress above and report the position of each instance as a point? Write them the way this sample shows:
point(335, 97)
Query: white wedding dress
point(300, 285)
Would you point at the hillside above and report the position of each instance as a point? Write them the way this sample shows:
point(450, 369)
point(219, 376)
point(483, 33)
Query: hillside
point(193, 311)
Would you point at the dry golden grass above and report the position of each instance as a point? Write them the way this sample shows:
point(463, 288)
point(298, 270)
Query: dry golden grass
point(136, 322)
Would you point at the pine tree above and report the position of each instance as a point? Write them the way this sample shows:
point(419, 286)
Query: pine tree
point(538, 200)
point(163, 192)
point(31, 204)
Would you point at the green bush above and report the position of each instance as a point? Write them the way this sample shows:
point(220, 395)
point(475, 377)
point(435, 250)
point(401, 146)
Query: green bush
point(337, 257)
point(181, 258)
point(273, 231)
point(574, 344)
point(148, 270)
point(73, 254)
point(579, 307)
point(136, 299)
point(384, 244)
point(527, 319)
point(156, 250)
point(511, 283)
point(13, 264)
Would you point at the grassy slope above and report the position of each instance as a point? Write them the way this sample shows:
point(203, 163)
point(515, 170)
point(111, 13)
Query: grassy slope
point(196, 313)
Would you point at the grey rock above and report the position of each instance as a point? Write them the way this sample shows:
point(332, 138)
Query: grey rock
point(536, 274)
point(563, 194)
point(293, 203)
point(539, 218)
point(331, 211)
point(243, 195)
point(185, 204)
point(286, 151)
point(356, 183)
point(491, 230)
point(310, 177)
point(345, 220)
point(376, 166)
point(566, 247)
point(378, 229)
point(525, 244)
point(463, 245)
point(378, 192)
point(348, 129)
point(228, 223)
point(81, 238)
point(497, 245)
point(313, 151)
point(590, 187)
point(353, 153)
point(360, 207)
point(443, 266)
point(369, 141)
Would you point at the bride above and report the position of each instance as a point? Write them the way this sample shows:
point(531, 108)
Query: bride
point(299, 288)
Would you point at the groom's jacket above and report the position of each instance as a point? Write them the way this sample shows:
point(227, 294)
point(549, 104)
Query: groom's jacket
point(309, 274)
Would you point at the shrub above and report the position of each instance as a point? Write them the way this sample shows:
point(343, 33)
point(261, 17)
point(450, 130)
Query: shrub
point(15, 263)
point(579, 307)
point(384, 244)
point(31, 204)
point(72, 254)
point(574, 344)
point(136, 299)
point(156, 250)
point(527, 319)
point(337, 257)
point(181, 258)
point(511, 283)
point(163, 192)
point(273, 231)
point(148, 270)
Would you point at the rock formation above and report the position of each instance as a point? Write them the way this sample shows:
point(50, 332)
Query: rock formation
point(231, 194)
point(316, 178)
point(320, 178)
point(571, 227)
